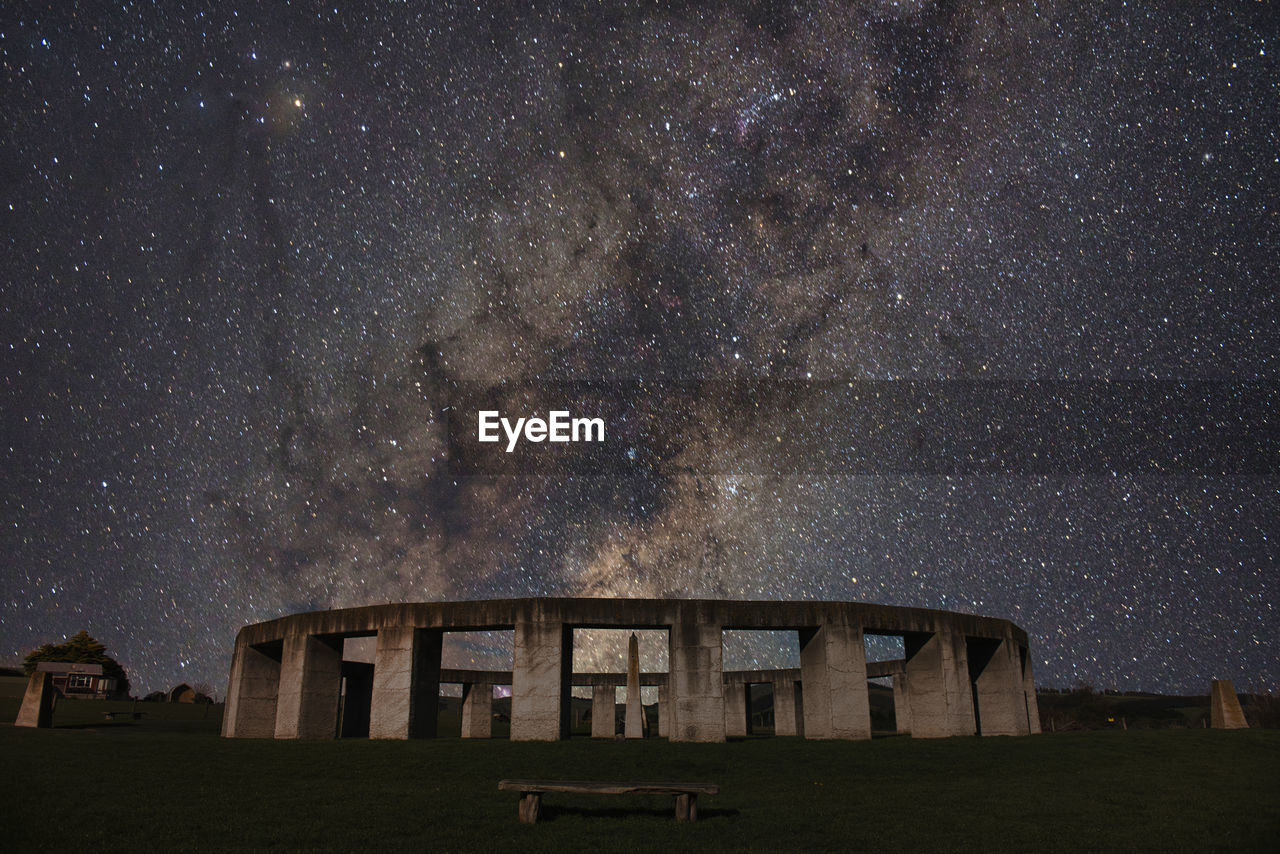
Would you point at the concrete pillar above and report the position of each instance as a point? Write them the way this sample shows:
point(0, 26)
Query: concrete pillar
point(786, 719)
point(833, 669)
point(604, 722)
point(477, 710)
point(540, 691)
point(1029, 692)
point(633, 724)
point(938, 683)
point(252, 693)
point(310, 681)
point(406, 683)
point(696, 678)
point(999, 700)
point(1224, 706)
point(735, 710)
point(664, 711)
point(37, 702)
point(901, 703)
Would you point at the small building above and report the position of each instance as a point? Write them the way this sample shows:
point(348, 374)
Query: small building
point(78, 680)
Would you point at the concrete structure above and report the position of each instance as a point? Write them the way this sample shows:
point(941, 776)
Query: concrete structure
point(634, 722)
point(604, 721)
point(961, 675)
point(37, 701)
point(1224, 706)
point(736, 710)
point(477, 710)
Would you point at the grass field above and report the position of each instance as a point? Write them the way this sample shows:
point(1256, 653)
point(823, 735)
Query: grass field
point(168, 781)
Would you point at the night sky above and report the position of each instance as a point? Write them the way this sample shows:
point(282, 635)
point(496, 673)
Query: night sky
point(949, 305)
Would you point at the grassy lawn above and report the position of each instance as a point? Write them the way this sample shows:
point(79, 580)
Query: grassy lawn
point(169, 781)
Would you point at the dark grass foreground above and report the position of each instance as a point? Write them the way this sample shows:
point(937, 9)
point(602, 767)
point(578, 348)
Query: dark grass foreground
point(169, 782)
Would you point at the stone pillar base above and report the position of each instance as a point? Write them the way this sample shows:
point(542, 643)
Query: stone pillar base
point(37, 702)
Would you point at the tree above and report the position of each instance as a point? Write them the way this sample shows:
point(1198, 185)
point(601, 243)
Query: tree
point(80, 649)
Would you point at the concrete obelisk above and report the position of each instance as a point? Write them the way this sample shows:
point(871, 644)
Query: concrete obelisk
point(635, 709)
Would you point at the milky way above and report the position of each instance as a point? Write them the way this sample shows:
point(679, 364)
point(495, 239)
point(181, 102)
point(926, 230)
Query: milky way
point(262, 260)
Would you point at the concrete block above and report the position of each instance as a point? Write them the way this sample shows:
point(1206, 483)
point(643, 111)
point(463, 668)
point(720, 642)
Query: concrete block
point(1224, 706)
point(735, 710)
point(995, 672)
point(477, 710)
point(696, 679)
point(37, 701)
point(310, 681)
point(540, 676)
point(406, 683)
point(938, 681)
point(901, 703)
point(604, 722)
point(787, 719)
point(833, 670)
point(252, 694)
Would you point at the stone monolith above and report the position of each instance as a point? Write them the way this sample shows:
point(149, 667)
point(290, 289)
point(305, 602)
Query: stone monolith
point(635, 709)
point(1224, 706)
point(37, 702)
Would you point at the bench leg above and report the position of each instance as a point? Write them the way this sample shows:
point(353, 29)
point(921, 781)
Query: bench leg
point(687, 807)
point(530, 804)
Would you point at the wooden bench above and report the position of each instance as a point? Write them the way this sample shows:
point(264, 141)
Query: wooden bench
point(531, 792)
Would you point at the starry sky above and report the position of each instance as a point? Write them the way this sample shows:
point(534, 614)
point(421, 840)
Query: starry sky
point(953, 305)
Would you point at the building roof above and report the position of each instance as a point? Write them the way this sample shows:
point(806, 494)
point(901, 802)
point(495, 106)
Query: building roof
point(69, 667)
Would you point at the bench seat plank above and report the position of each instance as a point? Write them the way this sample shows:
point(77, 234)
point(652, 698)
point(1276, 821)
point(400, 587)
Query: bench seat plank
point(592, 787)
